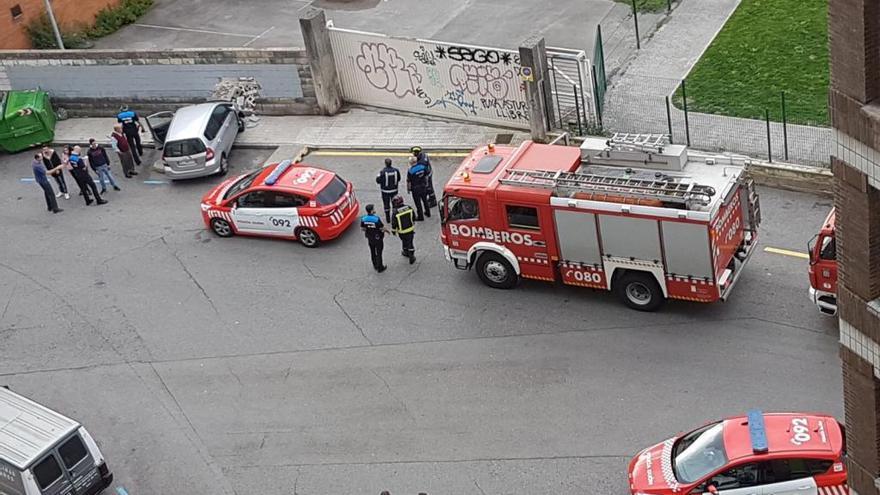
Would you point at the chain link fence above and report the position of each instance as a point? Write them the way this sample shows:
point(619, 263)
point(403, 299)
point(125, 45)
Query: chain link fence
point(788, 131)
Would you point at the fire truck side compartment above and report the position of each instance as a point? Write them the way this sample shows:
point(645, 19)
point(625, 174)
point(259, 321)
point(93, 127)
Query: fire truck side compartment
point(630, 238)
point(578, 239)
point(687, 249)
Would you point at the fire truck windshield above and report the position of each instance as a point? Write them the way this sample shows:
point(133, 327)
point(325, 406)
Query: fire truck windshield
point(462, 208)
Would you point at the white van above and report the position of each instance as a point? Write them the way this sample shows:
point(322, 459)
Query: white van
point(45, 453)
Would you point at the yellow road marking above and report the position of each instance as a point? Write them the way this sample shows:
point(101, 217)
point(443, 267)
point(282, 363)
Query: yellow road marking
point(386, 153)
point(786, 252)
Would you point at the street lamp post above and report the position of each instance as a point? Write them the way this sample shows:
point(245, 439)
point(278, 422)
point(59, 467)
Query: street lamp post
point(54, 24)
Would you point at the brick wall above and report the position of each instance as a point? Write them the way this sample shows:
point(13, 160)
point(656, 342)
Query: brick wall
point(69, 13)
point(97, 82)
point(854, 31)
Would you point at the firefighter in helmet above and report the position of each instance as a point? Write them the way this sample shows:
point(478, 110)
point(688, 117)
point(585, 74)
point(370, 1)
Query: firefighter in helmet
point(374, 230)
point(403, 224)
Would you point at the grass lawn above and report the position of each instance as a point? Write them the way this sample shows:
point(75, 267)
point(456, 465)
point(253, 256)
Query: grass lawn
point(766, 47)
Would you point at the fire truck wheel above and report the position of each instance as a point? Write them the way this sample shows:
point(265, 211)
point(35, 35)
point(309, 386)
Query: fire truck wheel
point(221, 227)
point(639, 291)
point(495, 271)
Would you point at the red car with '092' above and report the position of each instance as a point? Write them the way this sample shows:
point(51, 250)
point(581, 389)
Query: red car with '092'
point(757, 454)
point(285, 200)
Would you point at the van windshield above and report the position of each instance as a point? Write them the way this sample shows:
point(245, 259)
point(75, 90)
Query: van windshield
point(331, 194)
point(184, 147)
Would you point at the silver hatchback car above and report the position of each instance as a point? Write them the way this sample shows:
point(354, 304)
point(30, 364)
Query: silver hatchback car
point(196, 140)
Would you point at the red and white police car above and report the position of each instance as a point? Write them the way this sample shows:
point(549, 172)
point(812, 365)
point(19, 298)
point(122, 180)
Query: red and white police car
point(757, 454)
point(284, 200)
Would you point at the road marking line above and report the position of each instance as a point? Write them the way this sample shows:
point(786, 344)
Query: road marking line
point(385, 153)
point(121, 491)
point(27, 179)
point(189, 30)
point(786, 252)
point(264, 33)
point(155, 182)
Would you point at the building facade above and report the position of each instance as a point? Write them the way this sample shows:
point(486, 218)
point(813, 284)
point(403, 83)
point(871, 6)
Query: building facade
point(16, 14)
point(854, 97)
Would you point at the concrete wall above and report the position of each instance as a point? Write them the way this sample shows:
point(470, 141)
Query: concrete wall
point(96, 83)
point(71, 14)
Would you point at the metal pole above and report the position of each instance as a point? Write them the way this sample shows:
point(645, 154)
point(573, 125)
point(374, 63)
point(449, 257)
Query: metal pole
point(596, 96)
point(54, 24)
point(669, 120)
point(577, 110)
point(556, 87)
point(684, 98)
point(769, 149)
point(636, 20)
point(601, 53)
point(784, 127)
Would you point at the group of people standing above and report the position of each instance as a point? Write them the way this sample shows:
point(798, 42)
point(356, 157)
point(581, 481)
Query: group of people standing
point(124, 139)
point(401, 217)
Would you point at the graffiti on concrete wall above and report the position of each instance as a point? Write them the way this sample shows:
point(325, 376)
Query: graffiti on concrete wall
point(472, 83)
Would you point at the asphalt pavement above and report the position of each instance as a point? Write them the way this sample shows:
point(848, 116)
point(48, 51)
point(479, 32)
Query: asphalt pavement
point(274, 23)
point(242, 365)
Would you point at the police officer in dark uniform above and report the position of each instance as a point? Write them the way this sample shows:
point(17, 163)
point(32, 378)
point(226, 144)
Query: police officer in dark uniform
point(422, 157)
point(417, 184)
point(404, 226)
point(374, 231)
point(80, 173)
point(131, 127)
point(388, 180)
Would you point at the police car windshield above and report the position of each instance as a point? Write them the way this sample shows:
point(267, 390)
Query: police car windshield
point(699, 453)
point(331, 194)
point(242, 184)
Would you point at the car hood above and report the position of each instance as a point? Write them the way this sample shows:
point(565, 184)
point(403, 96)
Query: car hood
point(651, 470)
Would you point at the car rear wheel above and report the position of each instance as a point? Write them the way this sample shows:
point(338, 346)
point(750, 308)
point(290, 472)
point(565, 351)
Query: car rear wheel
point(639, 291)
point(221, 227)
point(495, 271)
point(224, 165)
point(308, 237)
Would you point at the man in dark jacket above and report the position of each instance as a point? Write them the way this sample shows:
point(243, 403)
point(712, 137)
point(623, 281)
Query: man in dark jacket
point(52, 162)
point(100, 163)
point(404, 226)
point(83, 178)
point(388, 180)
point(42, 180)
point(131, 127)
point(417, 184)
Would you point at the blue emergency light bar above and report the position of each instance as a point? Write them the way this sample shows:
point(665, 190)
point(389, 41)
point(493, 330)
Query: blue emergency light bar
point(757, 431)
point(279, 169)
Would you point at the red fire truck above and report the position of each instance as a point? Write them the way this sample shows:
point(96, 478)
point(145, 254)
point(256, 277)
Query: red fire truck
point(632, 214)
point(823, 267)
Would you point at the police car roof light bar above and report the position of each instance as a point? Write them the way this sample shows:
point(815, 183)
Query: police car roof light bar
point(279, 169)
point(757, 431)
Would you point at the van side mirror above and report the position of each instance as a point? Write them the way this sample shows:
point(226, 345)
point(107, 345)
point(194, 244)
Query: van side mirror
point(811, 250)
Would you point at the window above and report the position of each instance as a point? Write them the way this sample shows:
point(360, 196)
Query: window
point(331, 194)
point(72, 452)
point(782, 470)
point(487, 164)
point(16, 12)
point(186, 147)
point(829, 248)
point(699, 453)
point(462, 208)
point(282, 200)
point(215, 123)
point(256, 199)
point(742, 476)
point(522, 217)
point(47, 472)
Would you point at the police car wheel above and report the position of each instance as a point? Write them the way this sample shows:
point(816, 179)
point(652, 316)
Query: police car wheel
point(221, 227)
point(495, 271)
point(308, 237)
point(639, 291)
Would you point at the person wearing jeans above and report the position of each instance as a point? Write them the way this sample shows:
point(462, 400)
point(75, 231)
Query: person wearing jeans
point(41, 178)
point(100, 163)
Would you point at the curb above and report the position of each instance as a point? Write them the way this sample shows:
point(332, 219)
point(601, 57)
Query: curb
point(799, 178)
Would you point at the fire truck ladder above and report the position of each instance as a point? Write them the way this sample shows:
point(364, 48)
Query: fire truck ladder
point(667, 191)
point(650, 143)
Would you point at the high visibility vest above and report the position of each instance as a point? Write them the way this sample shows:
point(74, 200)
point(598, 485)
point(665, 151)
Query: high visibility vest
point(405, 220)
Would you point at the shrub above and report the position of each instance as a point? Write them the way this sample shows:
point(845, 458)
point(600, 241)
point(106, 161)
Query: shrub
point(110, 19)
point(43, 37)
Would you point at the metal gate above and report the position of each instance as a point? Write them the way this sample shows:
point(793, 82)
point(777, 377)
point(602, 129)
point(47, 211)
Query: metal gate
point(457, 81)
point(571, 84)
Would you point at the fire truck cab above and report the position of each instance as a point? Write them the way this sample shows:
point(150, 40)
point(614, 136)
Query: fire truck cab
point(823, 267)
point(632, 214)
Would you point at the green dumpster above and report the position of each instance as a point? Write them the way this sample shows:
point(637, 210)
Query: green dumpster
point(26, 120)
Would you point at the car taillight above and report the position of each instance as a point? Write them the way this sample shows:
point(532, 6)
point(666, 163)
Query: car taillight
point(209, 154)
point(103, 469)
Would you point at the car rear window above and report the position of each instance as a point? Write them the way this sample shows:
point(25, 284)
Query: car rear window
point(331, 194)
point(184, 147)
